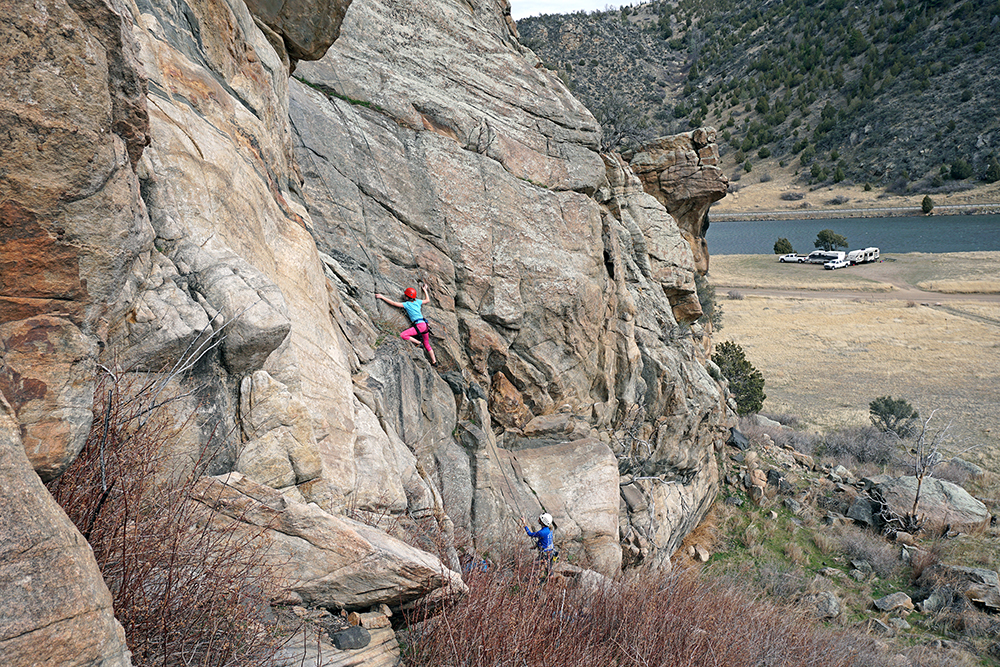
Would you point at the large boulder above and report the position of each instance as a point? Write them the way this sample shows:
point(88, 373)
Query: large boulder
point(307, 27)
point(329, 561)
point(941, 503)
point(55, 608)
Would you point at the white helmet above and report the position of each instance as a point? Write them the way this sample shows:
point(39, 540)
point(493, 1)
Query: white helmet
point(545, 519)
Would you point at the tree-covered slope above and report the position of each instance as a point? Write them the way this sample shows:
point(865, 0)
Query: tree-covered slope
point(897, 93)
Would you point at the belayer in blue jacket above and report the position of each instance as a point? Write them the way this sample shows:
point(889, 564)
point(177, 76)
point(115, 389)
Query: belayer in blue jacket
point(543, 536)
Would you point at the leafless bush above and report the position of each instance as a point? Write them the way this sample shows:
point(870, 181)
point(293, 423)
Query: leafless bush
point(862, 444)
point(838, 200)
point(792, 196)
point(508, 620)
point(865, 545)
point(735, 295)
point(766, 177)
point(187, 591)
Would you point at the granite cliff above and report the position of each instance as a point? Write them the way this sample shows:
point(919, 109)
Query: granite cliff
point(200, 190)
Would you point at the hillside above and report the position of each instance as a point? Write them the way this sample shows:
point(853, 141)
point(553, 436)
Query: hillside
point(898, 97)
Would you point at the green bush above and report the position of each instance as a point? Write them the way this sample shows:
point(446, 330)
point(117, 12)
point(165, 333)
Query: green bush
point(992, 174)
point(894, 415)
point(960, 169)
point(746, 383)
point(927, 205)
point(783, 247)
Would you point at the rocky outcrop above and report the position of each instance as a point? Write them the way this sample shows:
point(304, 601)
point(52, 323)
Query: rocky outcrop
point(682, 172)
point(198, 218)
point(72, 223)
point(307, 28)
point(954, 586)
point(56, 608)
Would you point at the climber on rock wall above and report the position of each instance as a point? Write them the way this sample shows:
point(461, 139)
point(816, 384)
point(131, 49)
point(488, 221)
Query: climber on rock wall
point(413, 307)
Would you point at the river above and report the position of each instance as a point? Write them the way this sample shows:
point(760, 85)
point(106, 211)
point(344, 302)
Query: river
point(945, 233)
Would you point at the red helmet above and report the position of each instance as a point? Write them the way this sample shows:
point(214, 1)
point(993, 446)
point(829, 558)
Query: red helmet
point(410, 293)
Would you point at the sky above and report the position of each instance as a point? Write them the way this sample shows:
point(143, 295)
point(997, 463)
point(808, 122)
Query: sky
point(520, 9)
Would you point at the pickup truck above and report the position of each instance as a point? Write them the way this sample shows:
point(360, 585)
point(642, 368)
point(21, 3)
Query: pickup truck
point(792, 257)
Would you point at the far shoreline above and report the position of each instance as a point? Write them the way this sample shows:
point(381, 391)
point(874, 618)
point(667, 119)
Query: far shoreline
point(827, 213)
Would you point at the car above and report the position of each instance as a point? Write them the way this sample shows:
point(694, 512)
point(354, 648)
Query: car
point(836, 264)
point(792, 257)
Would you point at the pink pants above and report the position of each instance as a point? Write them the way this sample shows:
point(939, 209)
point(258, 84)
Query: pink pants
point(421, 328)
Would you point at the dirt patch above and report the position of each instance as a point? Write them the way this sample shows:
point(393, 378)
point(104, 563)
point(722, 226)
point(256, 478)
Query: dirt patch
point(825, 358)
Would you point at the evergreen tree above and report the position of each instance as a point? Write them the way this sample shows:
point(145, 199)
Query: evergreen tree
point(829, 240)
point(783, 247)
point(927, 205)
point(746, 383)
point(894, 415)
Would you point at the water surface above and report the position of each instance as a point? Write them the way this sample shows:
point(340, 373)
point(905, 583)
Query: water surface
point(942, 233)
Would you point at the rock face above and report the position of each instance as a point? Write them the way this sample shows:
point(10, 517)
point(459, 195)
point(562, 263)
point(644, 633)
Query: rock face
point(191, 214)
point(56, 609)
point(72, 222)
point(548, 262)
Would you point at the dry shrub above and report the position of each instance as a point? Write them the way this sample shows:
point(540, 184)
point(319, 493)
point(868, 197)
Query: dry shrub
point(785, 419)
point(670, 620)
point(940, 654)
point(187, 591)
point(950, 472)
point(858, 543)
point(735, 295)
point(824, 542)
point(921, 559)
point(861, 444)
point(795, 554)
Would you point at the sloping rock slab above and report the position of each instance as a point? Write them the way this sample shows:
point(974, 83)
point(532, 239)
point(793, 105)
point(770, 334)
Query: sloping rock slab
point(330, 561)
point(54, 606)
point(941, 503)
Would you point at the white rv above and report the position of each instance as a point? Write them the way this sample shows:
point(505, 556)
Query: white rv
point(824, 256)
point(862, 256)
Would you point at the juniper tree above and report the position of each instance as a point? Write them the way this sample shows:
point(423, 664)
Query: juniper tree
point(746, 383)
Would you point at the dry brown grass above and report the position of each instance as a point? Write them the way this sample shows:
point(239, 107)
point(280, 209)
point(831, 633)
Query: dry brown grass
point(825, 359)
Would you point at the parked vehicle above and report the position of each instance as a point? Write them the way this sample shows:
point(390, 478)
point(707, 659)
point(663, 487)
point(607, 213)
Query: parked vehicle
point(792, 257)
point(824, 256)
point(862, 256)
point(836, 264)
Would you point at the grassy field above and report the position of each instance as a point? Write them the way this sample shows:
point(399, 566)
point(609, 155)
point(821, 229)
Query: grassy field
point(826, 356)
